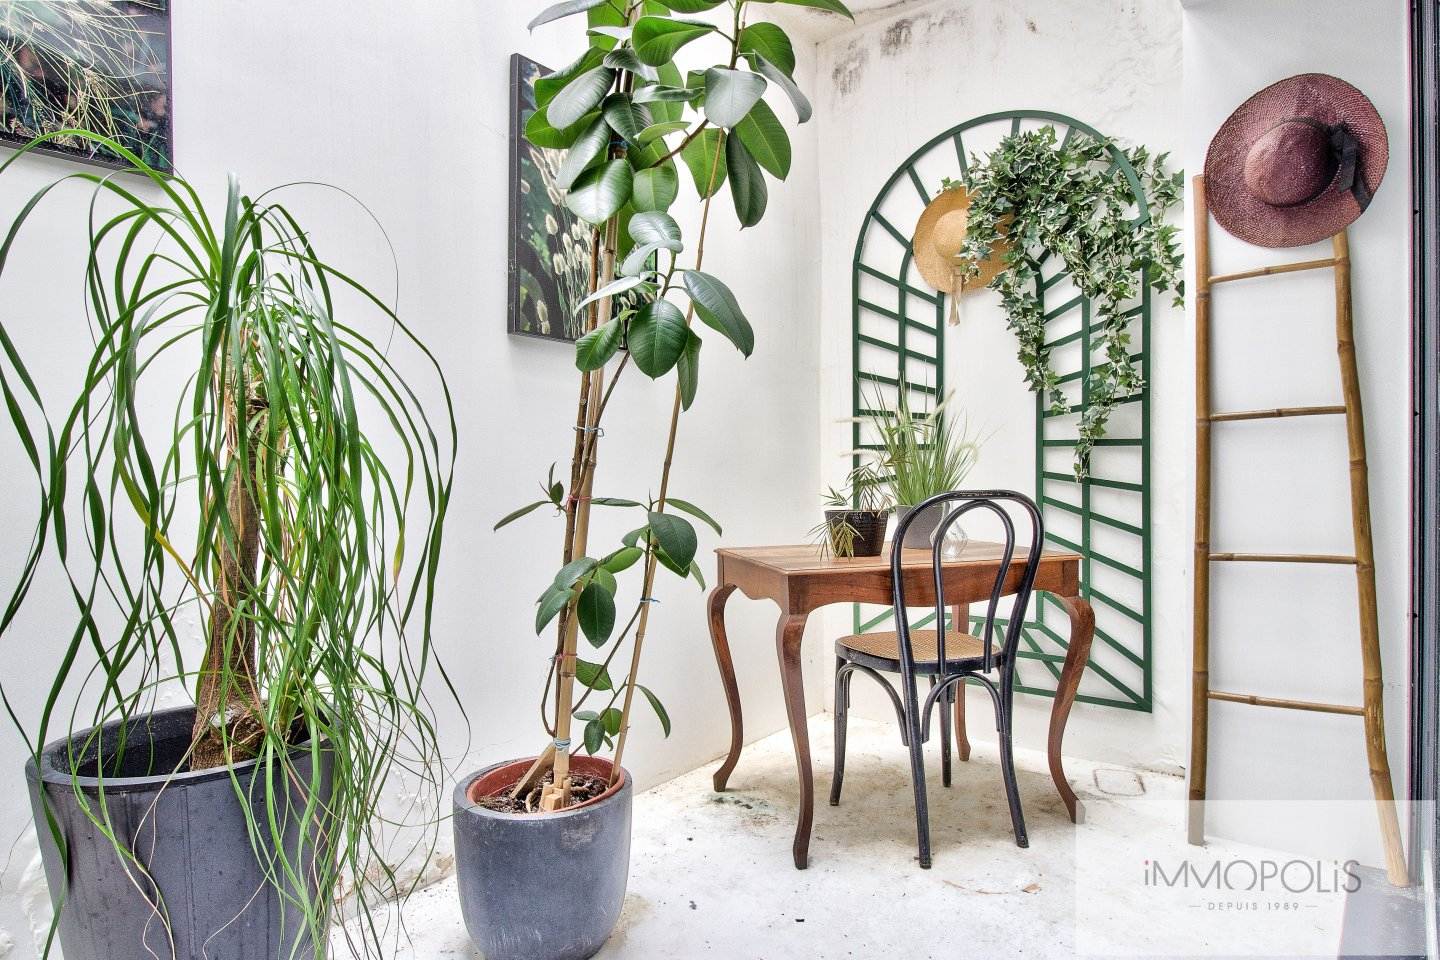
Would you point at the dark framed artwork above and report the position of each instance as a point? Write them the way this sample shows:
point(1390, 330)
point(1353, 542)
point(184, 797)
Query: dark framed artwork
point(549, 246)
point(96, 65)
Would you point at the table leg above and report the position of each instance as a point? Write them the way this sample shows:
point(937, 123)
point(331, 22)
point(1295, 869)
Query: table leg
point(1082, 632)
point(721, 642)
point(788, 634)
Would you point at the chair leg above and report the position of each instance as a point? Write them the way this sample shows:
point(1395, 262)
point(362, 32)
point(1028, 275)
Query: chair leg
point(945, 737)
point(842, 708)
point(1004, 706)
point(962, 740)
point(917, 775)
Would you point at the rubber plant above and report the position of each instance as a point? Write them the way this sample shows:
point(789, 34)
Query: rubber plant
point(1073, 200)
point(627, 114)
point(289, 508)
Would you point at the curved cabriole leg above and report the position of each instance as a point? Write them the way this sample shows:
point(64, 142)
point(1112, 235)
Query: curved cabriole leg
point(788, 634)
point(1082, 633)
point(721, 642)
point(842, 706)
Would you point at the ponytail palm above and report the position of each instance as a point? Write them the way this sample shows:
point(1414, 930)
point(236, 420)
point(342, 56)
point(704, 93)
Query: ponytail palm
point(246, 458)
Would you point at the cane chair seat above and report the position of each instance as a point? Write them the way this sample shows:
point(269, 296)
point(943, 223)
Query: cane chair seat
point(962, 650)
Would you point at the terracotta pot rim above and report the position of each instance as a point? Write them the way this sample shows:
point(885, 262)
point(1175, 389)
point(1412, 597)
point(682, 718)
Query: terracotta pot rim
point(518, 767)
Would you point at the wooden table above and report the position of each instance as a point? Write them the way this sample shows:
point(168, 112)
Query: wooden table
point(799, 580)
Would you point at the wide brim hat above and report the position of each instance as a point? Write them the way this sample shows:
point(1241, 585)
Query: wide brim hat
point(1296, 163)
point(939, 236)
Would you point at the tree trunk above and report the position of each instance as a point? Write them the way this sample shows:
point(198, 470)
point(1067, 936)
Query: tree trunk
point(228, 697)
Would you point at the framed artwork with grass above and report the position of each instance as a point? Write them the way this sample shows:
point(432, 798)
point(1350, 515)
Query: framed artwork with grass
point(102, 66)
point(549, 246)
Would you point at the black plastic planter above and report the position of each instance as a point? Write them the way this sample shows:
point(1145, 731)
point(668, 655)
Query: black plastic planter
point(195, 890)
point(869, 529)
point(541, 886)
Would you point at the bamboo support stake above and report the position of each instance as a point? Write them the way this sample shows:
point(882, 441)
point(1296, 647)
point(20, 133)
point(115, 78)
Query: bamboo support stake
point(1200, 676)
point(1374, 691)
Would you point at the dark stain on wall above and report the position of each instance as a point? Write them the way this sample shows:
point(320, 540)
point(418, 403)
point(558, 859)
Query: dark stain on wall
point(850, 68)
point(897, 37)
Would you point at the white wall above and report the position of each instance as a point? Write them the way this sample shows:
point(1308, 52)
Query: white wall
point(1291, 631)
point(904, 77)
point(408, 108)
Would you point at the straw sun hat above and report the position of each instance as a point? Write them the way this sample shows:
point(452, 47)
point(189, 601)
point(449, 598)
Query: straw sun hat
point(939, 235)
point(1297, 162)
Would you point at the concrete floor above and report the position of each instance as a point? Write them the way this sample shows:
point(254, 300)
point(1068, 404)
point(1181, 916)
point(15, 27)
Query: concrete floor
point(711, 874)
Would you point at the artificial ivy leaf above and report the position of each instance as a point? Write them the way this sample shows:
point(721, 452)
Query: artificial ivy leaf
point(657, 706)
point(705, 156)
point(719, 309)
point(596, 610)
point(765, 137)
point(803, 110)
point(561, 10)
point(599, 193)
point(656, 188)
point(676, 537)
point(595, 349)
point(657, 337)
point(579, 97)
point(658, 228)
point(729, 95)
point(688, 370)
point(747, 183)
point(657, 39)
point(771, 42)
point(593, 675)
point(624, 116)
point(588, 148)
point(685, 506)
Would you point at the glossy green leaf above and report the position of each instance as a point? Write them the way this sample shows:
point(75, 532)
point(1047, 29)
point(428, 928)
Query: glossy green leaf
point(611, 720)
point(834, 6)
point(657, 337)
point(594, 736)
point(718, 308)
point(747, 183)
point(730, 94)
point(705, 156)
point(676, 537)
point(594, 349)
point(548, 86)
point(614, 502)
point(596, 610)
point(611, 289)
point(658, 39)
point(656, 188)
point(688, 370)
point(563, 9)
point(523, 511)
point(593, 675)
point(552, 601)
point(656, 131)
point(600, 192)
point(771, 42)
point(622, 559)
point(657, 706)
point(625, 58)
point(640, 261)
point(584, 152)
point(685, 506)
point(765, 137)
point(539, 132)
point(625, 117)
point(579, 97)
point(697, 574)
point(801, 103)
point(692, 6)
point(655, 227)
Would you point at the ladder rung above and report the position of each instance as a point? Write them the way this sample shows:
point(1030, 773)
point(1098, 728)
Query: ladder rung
point(1282, 558)
point(1277, 413)
point(1278, 268)
point(1309, 705)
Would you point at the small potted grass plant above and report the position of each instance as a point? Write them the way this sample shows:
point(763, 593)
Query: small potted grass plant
point(855, 517)
point(242, 463)
point(918, 454)
point(542, 843)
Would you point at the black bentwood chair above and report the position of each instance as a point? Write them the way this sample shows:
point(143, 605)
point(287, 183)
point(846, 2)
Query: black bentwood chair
point(947, 661)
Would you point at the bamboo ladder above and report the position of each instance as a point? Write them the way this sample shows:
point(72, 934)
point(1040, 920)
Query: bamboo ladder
point(1363, 558)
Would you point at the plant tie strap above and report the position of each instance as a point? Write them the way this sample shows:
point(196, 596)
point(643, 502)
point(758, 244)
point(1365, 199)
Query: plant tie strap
point(599, 431)
point(649, 600)
point(562, 744)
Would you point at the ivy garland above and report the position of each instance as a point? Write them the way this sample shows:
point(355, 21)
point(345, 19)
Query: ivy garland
point(1072, 201)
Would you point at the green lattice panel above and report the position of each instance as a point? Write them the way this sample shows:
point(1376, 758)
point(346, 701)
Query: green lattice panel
point(899, 324)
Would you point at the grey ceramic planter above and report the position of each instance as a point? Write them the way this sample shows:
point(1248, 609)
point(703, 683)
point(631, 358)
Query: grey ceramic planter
point(920, 532)
point(547, 886)
point(188, 833)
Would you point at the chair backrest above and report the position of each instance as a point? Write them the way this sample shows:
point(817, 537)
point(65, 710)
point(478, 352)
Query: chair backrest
point(969, 500)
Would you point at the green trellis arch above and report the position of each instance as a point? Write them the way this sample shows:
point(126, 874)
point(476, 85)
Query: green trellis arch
point(898, 328)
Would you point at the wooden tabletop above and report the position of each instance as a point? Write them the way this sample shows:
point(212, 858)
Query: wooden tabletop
point(800, 578)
